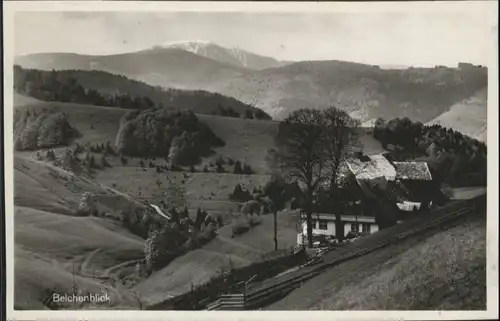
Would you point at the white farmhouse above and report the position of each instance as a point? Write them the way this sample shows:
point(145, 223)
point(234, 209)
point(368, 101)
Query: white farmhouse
point(324, 224)
point(408, 182)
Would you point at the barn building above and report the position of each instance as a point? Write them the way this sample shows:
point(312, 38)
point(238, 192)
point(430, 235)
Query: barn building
point(408, 182)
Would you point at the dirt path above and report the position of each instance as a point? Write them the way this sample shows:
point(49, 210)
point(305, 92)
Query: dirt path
point(86, 262)
point(106, 272)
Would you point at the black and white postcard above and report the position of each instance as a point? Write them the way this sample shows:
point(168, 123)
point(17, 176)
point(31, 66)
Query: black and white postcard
point(226, 160)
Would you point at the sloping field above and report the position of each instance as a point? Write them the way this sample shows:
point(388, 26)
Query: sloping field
point(101, 124)
point(200, 265)
point(55, 253)
point(64, 237)
point(21, 100)
point(95, 123)
point(433, 271)
point(42, 186)
point(36, 278)
point(468, 116)
point(209, 191)
point(51, 244)
point(247, 140)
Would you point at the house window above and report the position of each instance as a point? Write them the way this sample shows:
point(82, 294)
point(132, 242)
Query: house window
point(323, 225)
point(313, 223)
point(354, 227)
point(366, 228)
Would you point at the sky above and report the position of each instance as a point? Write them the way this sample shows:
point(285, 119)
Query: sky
point(418, 38)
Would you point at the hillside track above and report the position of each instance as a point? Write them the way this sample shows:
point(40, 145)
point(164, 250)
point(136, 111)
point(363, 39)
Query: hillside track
point(261, 294)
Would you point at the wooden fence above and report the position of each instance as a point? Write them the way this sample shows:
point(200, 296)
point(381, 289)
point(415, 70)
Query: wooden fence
point(234, 281)
point(262, 296)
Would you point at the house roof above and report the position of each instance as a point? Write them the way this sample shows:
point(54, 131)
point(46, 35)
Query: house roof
point(376, 167)
point(412, 171)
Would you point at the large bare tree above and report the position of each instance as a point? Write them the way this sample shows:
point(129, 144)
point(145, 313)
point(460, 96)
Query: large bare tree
point(342, 136)
point(310, 145)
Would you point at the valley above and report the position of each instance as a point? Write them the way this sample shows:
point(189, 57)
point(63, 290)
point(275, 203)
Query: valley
point(83, 215)
point(46, 193)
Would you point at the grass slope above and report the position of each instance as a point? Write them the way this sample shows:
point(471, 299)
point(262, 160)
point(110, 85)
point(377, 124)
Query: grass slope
point(50, 242)
point(205, 190)
point(95, 123)
point(36, 278)
point(54, 253)
point(468, 116)
point(70, 239)
point(441, 270)
point(200, 265)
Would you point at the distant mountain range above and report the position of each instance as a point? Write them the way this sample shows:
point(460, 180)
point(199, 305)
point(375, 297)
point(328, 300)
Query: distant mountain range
point(166, 67)
point(365, 91)
point(232, 56)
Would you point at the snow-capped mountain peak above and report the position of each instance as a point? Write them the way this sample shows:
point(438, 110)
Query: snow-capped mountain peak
point(232, 56)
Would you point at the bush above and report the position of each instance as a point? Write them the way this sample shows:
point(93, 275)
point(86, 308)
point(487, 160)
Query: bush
point(237, 168)
point(219, 220)
point(240, 227)
point(240, 195)
point(49, 129)
point(247, 170)
point(104, 162)
point(219, 161)
point(446, 191)
point(87, 206)
point(248, 114)
point(50, 155)
point(109, 149)
point(208, 233)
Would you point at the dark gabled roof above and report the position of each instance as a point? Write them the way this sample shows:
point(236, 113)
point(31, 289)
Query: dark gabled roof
point(412, 171)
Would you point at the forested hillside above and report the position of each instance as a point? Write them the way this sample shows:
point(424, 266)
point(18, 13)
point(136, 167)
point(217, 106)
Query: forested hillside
point(104, 89)
point(455, 158)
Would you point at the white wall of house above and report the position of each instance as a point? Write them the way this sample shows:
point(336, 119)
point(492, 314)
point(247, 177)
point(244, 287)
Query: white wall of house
point(351, 226)
point(331, 230)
